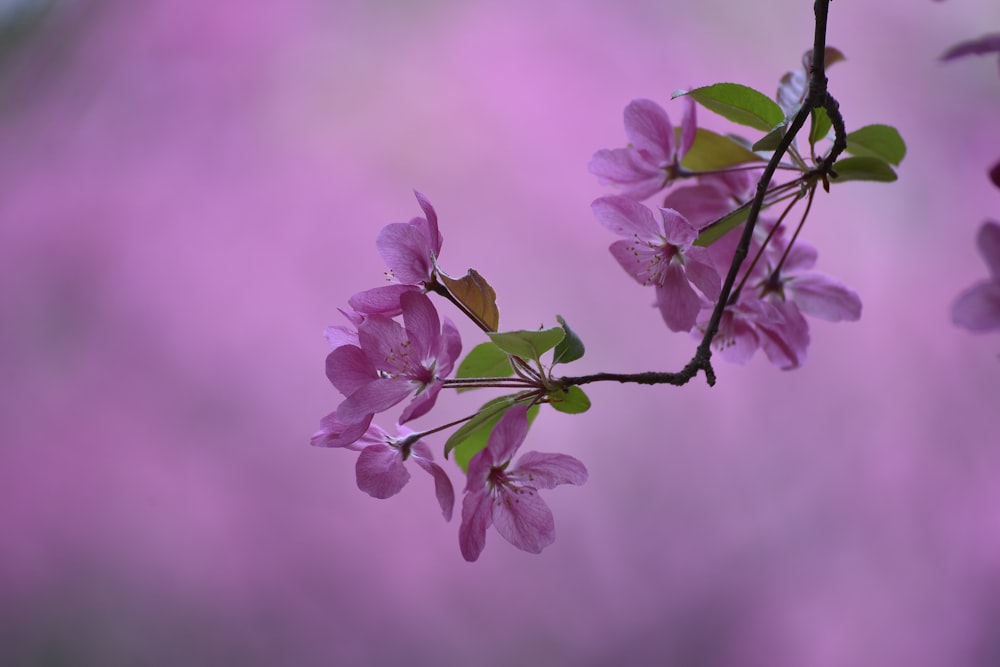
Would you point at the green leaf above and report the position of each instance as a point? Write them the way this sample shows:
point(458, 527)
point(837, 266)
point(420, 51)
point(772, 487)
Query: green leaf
point(473, 292)
point(474, 435)
point(487, 417)
point(821, 125)
point(570, 348)
point(528, 344)
point(716, 230)
point(485, 360)
point(738, 103)
point(881, 141)
point(773, 138)
point(572, 401)
point(715, 151)
point(863, 169)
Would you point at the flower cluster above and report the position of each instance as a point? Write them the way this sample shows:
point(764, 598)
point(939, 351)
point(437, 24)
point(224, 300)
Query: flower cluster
point(775, 289)
point(378, 362)
point(396, 348)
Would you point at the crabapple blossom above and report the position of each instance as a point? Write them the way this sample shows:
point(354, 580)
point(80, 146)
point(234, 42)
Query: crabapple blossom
point(380, 468)
point(652, 159)
point(661, 255)
point(768, 313)
point(978, 307)
point(410, 249)
point(506, 496)
point(392, 362)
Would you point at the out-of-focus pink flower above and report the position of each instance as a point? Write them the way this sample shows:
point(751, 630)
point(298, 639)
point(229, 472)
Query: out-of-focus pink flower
point(506, 496)
point(978, 308)
point(654, 154)
point(410, 249)
point(980, 46)
point(662, 256)
point(380, 468)
point(392, 362)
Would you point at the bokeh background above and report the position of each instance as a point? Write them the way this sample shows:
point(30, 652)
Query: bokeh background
point(188, 192)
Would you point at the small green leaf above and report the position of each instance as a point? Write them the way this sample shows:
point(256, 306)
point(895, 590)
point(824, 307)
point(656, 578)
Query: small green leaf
point(738, 103)
point(529, 345)
point(572, 401)
point(485, 360)
point(474, 435)
point(714, 151)
point(773, 138)
point(863, 169)
point(489, 414)
point(569, 348)
point(821, 125)
point(881, 141)
point(716, 230)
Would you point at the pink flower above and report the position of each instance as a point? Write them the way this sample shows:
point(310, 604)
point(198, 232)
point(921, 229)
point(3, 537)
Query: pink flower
point(662, 256)
point(392, 362)
point(410, 249)
point(380, 468)
point(768, 314)
point(987, 44)
point(712, 196)
point(652, 159)
point(507, 496)
point(978, 308)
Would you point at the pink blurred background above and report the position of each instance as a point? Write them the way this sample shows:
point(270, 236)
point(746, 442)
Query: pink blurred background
point(189, 190)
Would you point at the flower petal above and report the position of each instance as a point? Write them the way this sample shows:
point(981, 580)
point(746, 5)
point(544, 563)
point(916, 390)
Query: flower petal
point(821, 296)
point(737, 340)
point(450, 348)
point(974, 47)
point(785, 343)
point(801, 257)
point(381, 300)
point(386, 345)
point(380, 471)
point(701, 273)
point(676, 299)
point(640, 260)
point(423, 328)
point(348, 369)
point(338, 335)
point(978, 308)
point(405, 248)
point(523, 519)
point(479, 471)
point(335, 433)
point(689, 127)
point(699, 204)
point(988, 240)
point(508, 434)
point(627, 218)
point(422, 403)
point(477, 516)
point(625, 167)
point(677, 229)
point(434, 234)
point(546, 471)
point(443, 489)
point(649, 129)
point(378, 395)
